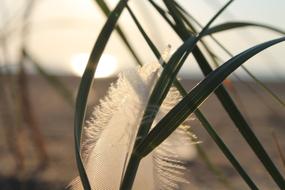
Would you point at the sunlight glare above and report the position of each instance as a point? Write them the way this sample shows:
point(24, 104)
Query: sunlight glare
point(107, 65)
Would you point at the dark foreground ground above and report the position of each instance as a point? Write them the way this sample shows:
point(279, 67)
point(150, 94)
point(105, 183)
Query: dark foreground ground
point(55, 119)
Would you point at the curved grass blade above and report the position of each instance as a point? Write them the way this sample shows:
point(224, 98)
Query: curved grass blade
point(234, 25)
point(86, 81)
point(214, 58)
point(198, 114)
point(228, 154)
point(193, 100)
point(162, 13)
point(233, 111)
point(260, 83)
point(168, 75)
point(159, 93)
point(106, 10)
point(230, 25)
point(198, 95)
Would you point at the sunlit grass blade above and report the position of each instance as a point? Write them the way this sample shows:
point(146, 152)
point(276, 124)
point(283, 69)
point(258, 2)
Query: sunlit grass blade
point(168, 75)
point(259, 82)
point(189, 103)
point(106, 10)
point(214, 57)
point(231, 108)
point(86, 81)
point(233, 25)
point(241, 123)
point(228, 154)
point(162, 13)
point(183, 92)
point(198, 95)
point(211, 131)
point(158, 94)
point(230, 25)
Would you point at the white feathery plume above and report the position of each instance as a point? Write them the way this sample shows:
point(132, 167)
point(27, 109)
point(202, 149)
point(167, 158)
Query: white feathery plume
point(109, 136)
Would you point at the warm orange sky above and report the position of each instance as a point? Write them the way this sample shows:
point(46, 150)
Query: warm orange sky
point(61, 29)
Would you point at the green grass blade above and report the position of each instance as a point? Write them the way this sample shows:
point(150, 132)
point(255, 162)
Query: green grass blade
point(213, 18)
point(198, 114)
point(159, 93)
point(106, 10)
point(215, 59)
point(233, 111)
point(168, 75)
point(197, 96)
point(234, 25)
point(86, 81)
point(231, 25)
point(211, 131)
point(184, 108)
point(240, 121)
point(162, 13)
point(229, 155)
point(259, 82)
point(174, 12)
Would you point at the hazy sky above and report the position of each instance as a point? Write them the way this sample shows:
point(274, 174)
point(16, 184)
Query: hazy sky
point(62, 29)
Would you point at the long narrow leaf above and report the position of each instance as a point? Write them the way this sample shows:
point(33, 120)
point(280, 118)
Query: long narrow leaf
point(232, 109)
point(193, 100)
point(196, 97)
point(230, 25)
point(159, 93)
point(233, 25)
point(86, 81)
point(106, 10)
point(203, 121)
point(168, 75)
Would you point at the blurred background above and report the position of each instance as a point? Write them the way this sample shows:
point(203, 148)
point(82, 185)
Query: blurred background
point(45, 45)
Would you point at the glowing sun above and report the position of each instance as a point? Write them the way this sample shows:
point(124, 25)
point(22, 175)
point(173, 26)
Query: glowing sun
point(107, 65)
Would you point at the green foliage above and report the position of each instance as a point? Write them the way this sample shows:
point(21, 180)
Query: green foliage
point(85, 84)
point(148, 141)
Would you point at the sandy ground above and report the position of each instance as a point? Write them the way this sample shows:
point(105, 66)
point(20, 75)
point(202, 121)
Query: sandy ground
point(55, 119)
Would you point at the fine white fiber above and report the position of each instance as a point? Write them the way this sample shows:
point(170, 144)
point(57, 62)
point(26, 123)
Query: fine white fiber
point(109, 135)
